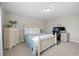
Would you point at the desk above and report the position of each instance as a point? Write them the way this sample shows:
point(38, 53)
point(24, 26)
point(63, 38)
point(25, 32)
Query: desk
point(65, 36)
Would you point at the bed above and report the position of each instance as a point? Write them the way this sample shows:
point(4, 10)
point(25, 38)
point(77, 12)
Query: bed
point(37, 41)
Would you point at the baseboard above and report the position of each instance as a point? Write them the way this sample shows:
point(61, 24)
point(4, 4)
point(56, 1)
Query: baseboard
point(74, 41)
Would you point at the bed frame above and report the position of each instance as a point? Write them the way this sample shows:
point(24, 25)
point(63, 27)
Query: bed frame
point(45, 44)
point(42, 44)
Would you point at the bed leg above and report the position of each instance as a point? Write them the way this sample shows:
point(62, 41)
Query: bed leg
point(55, 39)
point(38, 54)
point(39, 47)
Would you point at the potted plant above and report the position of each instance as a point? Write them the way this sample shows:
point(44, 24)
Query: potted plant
point(13, 23)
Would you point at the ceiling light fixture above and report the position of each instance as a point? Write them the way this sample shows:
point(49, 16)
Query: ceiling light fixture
point(47, 9)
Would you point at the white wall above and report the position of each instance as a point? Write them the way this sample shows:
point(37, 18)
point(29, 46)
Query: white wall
point(1, 48)
point(23, 20)
point(71, 23)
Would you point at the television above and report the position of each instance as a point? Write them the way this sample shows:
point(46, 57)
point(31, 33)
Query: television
point(62, 28)
point(58, 29)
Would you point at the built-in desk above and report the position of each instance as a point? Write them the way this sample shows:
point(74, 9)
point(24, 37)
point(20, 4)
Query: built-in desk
point(65, 36)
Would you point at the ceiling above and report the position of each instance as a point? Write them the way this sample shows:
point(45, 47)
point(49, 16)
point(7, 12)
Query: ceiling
point(36, 9)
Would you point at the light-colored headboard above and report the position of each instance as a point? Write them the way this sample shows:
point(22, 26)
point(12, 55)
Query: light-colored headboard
point(31, 30)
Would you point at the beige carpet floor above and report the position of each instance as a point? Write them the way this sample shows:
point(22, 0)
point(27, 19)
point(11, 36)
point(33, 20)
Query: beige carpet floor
point(62, 49)
point(19, 50)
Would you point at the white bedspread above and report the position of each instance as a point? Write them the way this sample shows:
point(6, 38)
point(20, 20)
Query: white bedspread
point(42, 37)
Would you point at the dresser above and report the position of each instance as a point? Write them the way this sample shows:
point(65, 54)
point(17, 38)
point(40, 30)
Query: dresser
point(11, 37)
